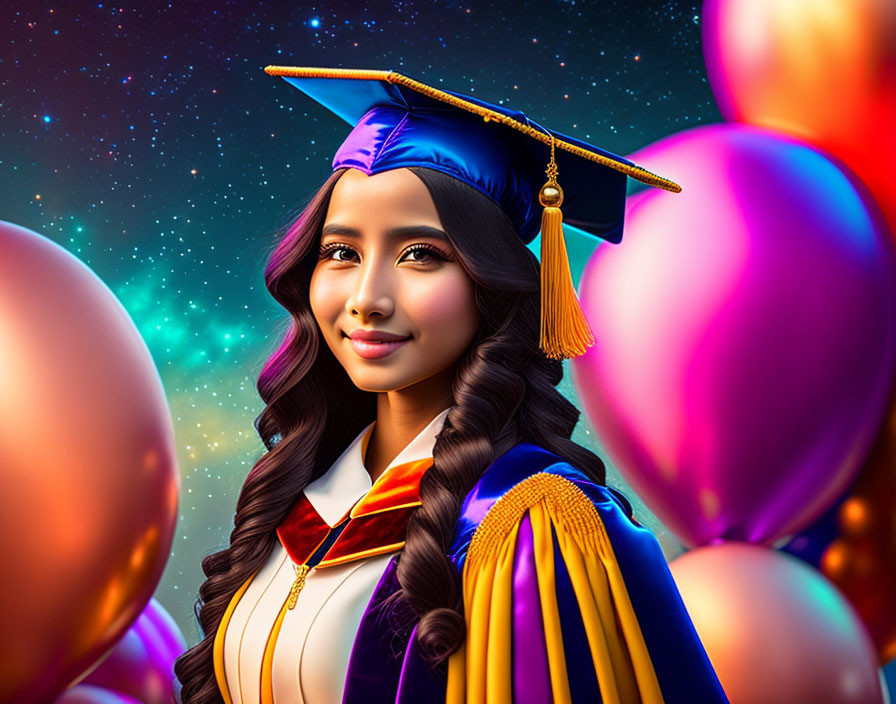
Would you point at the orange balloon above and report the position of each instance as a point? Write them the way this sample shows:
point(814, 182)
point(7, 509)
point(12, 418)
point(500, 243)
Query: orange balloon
point(775, 630)
point(822, 70)
point(88, 474)
point(861, 561)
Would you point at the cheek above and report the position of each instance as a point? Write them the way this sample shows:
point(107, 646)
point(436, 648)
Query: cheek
point(447, 307)
point(324, 307)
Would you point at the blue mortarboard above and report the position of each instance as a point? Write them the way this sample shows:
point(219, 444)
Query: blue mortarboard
point(400, 122)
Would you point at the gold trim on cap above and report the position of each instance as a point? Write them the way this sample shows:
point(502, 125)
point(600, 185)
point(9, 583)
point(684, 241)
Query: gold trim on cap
point(635, 172)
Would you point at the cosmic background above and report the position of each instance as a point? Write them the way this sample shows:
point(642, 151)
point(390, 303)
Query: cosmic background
point(148, 141)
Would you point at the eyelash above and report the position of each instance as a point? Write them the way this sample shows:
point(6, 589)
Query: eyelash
point(327, 249)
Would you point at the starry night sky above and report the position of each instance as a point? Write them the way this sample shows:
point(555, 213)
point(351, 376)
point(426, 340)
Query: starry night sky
point(149, 142)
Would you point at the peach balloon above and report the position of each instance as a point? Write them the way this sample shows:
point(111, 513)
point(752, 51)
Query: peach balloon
point(776, 631)
point(89, 483)
point(823, 70)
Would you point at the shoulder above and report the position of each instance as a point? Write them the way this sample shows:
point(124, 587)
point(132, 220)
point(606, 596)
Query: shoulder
point(526, 476)
point(551, 560)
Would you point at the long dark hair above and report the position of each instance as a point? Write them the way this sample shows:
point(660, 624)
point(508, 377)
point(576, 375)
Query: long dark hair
point(504, 393)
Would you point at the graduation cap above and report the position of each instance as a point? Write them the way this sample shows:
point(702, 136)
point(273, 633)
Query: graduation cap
point(400, 122)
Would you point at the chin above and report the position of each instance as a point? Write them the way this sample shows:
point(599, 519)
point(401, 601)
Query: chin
point(382, 383)
point(377, 388)
point(376, 383)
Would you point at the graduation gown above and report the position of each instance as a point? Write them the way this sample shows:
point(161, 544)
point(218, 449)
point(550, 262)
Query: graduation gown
point(264, 650)
point(566, 599)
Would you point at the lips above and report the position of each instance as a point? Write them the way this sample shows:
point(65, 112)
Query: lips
point(375, 344)
point(376, 336)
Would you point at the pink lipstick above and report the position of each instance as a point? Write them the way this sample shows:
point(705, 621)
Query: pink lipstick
point(375, 344)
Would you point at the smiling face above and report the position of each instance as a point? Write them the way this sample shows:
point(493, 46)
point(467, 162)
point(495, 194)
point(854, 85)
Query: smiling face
point(392, 300)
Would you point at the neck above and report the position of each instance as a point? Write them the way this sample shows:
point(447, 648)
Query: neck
point(401, 415)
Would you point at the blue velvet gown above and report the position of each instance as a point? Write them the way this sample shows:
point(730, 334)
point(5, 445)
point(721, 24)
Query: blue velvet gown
point(567, 599)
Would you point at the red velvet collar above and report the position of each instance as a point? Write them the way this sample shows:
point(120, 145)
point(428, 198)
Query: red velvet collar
point(378, 522)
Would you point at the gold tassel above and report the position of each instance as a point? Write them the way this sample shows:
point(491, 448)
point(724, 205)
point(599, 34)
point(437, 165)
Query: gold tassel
point(564, 329)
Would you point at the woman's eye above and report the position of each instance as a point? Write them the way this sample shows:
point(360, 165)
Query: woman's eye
point(416, 254)
point(339, 253)
point(422, 254)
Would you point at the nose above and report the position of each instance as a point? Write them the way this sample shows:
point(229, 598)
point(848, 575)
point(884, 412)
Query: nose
point(371, 296)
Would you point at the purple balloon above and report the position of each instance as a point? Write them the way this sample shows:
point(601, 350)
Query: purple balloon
point(746, 335)
point(167, 629)
point(142, 663)
point(89, 694)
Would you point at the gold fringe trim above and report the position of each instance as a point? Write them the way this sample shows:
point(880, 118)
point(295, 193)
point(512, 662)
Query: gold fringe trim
point(636, 172)
point(559, 494)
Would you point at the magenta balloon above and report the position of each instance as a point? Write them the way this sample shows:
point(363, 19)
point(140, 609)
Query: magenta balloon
point(142, 663)
point(164, 640)
point(89, 694)
point(746, 335)
point(166, 628)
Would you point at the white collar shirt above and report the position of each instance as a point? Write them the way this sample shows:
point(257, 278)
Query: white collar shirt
point(312, 649)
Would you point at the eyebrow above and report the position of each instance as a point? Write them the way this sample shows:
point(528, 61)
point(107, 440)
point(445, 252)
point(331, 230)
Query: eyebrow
point(406, 232)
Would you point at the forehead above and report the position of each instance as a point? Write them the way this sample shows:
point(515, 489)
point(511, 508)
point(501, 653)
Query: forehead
point(390, 196)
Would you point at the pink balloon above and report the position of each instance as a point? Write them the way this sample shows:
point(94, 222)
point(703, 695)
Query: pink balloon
point(776, 631)
point(142, 663)
point(746, 335)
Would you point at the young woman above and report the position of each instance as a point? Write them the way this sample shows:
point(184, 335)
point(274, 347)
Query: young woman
point(422, 528)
